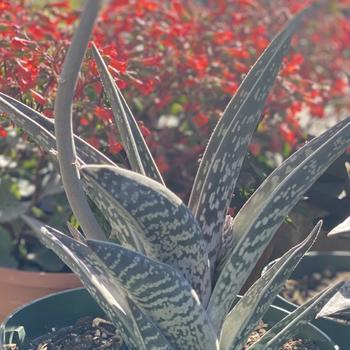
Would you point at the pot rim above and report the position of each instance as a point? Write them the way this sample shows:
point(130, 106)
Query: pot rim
point(22, 307)
point(325, 336)
point(49, 280)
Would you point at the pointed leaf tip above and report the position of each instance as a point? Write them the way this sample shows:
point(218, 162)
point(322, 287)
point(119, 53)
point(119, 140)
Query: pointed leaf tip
point(339, 305)
point(138, 153)
point(342, 230)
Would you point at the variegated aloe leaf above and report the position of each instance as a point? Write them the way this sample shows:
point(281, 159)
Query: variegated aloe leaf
point(219, 169)
point(86, 266)
point(163, 293)
point(86, 152)
point(137, 329)
point(43, 137)
point(287, 328)
point(246, 314)
point(139, 155)
point(171, 230)
point(152, 336)
point(264, 193)
point(339, 305)
point(125, 229)
point(262, 226)
point(343, 229)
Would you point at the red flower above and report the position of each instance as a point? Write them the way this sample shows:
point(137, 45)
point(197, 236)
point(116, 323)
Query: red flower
point(292, 65)
point(36, 32)
point(230, 88)
point(145, 87)
point(3, 132)
point(340, 86)
point(198, 63)
point(103, 113)
point(316, 110)
point(222, 37)
point(240, 67)
point(200, 120)
point(237, 52)
point(255, 149)
point(20, 43)
point(151, 61)
point(162, 164)
point(118, 65)
point(84, 121)
point(59, 4)
point(115, 147)
point(4, 5)
point(287, 134)
point(48, 113)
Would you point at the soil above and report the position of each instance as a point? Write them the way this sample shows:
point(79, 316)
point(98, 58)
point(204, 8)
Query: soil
point(99, 334)
point(293, 344)
point(301, 290)
point(86, 334)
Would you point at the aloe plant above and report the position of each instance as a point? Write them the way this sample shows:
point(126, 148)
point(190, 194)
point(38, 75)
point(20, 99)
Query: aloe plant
point(168, 274)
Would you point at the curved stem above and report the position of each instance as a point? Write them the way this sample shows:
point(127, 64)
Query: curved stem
point(64, 127)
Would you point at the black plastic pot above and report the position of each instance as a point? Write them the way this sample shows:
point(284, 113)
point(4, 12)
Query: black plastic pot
point(40, 316)
point(64, 308)
point(314, 262)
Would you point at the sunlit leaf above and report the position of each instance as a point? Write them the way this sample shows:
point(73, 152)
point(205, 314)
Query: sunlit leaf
point(265, 192)
point(139, 155)
point(250, 309)
point(29, 120)
point(339, 305)
point(256, 229)
point(170, 229)
point(163, 293)
point(104, 289)
point(221, 163)
point(287, 328)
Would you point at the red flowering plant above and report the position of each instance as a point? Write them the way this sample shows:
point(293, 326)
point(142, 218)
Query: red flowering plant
point(183, 60)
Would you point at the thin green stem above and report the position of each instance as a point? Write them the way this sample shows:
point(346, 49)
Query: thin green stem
point(64, 126)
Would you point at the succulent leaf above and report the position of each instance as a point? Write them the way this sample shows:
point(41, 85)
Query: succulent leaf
point(342, 230)
point(219, 169)
point(91, 272)
point(29, 120)
point(339, 305)
point(262, 227)
point(153, 338)
point(139, 155)
point(137, 330)
point(264, 193)
point(287, 328)
point(164, 294)
point(43, 137)
point(245, 315)
point(125, 229)
point(171, 230)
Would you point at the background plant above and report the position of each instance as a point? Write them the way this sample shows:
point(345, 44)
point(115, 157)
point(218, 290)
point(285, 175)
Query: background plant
point(28, 185)
point(162, 52)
